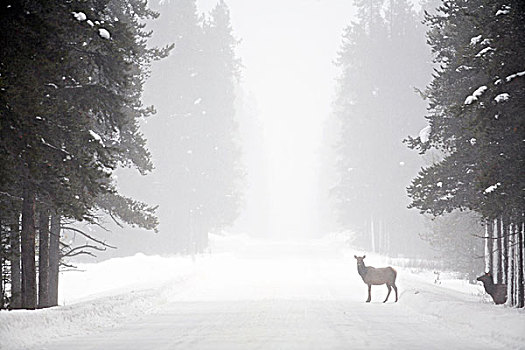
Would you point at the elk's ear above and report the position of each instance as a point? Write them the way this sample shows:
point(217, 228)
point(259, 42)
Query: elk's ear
point(364, 256)
point(355, 256)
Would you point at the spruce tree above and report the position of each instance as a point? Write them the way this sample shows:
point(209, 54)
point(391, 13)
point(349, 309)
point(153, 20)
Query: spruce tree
point(376, 104)
point(475, 116)
point(195, 144)
point(71, 83)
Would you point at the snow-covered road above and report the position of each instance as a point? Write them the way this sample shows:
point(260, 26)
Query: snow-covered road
point(284, 296)
point(276, 324)
point(297, 296)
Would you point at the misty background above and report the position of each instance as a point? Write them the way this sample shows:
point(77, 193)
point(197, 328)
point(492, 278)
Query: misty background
point(310, 148)
point(287, 128)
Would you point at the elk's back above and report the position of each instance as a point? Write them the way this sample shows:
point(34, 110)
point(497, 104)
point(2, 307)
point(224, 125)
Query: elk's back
point(381, 275)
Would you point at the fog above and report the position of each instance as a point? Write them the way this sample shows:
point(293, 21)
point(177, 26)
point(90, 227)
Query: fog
point(287, 49)
point(286, 128)
point(283, 99)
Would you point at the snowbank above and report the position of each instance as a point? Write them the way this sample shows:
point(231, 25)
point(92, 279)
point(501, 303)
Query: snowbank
point(98, 296)
point(22, 328)
point(455, 302)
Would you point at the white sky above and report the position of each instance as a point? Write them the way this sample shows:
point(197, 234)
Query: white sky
point(288, 48)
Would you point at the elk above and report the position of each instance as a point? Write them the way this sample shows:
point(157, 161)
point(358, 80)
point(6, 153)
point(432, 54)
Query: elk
point(498, 292)
point(372, 276)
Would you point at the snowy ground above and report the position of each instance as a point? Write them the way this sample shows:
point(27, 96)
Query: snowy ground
point(251, 294)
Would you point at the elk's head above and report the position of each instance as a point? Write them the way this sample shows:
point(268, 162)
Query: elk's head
point(360, 262)
point(486, 278)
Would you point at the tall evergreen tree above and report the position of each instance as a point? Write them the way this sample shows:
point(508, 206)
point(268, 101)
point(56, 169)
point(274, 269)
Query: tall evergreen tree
point(475, 116)
point(195, 146)
point(71, 80)
point(221, 175)
point(174, 87)
point(376, 104)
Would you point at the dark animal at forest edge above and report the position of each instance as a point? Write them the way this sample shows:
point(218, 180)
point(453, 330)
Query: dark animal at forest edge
point(498, 292)
point(372, 276)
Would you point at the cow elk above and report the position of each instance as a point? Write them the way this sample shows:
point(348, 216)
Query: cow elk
point(498, 292)
point(376, 276)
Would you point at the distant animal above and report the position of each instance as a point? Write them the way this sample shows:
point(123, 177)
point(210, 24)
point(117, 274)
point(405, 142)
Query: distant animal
point(498, 292)
point(372, 276)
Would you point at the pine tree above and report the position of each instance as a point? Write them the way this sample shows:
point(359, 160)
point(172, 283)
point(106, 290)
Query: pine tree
point(177, 83)
point(475, 115)
point(71, 82)
point(222, 173)
point(195, 147)
point(376, 103)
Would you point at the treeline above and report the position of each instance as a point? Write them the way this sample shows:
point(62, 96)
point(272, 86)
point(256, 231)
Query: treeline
point(196, 139)
point(71, 79)
point(472, 143)
point(476, 123)
point(382, 61)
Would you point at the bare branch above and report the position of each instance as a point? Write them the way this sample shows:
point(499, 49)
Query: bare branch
point(73, 269)
point(115, 219)
point(102, 227)
point(88, 236)
point(79, 250)
point(495, 238)
point(68, 265)
point(10, 195)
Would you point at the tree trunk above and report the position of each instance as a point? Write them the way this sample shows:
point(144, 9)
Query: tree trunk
point(489, 247)
point(54, 259)
point(29, 289)
point(505, 232)
point(16, 283)
point(510, 285)
point(2, 260)
point(43, 259)
point(520, 302)
point(499, 251)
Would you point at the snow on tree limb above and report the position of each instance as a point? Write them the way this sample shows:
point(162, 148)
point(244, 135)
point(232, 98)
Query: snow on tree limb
point(475, 40)
point(104, 33)
point(484, 51)
point(502, 97)
point(80, 16)
point(515, 75)
point(475, 95)
point(424, 134)
point(492, 188)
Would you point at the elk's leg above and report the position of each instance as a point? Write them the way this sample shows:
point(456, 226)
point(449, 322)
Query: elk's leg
point(395, 290)
point(369, 293)
point(388, 294)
